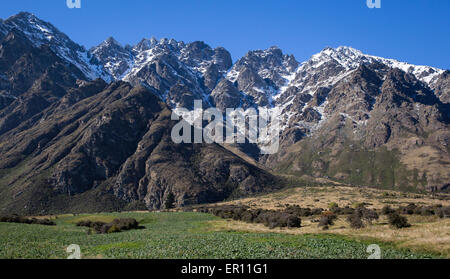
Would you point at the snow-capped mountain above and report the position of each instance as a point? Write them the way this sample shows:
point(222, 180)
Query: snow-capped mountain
point(313, 79)
point(305, 94)
point(353, 117)
point(346, 59)
point(116, 59)
point(180, 72)
point(40, 32)
point(263, 74)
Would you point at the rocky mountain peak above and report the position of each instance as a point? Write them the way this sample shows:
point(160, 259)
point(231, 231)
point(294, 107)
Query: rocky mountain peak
point(270, 59)
point(347, 57)
point(350, 59)
point(113, 56)
point(162, 44)
point(112, 42)
point(40, 32)
point(262, 74)
point(145, 44)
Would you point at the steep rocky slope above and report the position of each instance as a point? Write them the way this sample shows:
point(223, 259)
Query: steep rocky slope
point(378, 127)
point(114, 140)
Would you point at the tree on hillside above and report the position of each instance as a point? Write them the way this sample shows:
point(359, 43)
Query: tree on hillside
point(170, 201)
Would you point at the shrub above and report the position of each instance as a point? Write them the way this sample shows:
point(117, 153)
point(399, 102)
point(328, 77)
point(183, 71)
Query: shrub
point(428, 211)
point(398, 221)
point(355, 221)
point(369, 215)
point(23, 220)
point(113, 229)
point(84, 223)
point(45, 222)
point(201, 209)
point(288, 218)
point(238, 212)
point(117, 225)
point(327, 220)
point(443, 212)
point(126, 224)
point(409, 209)
point(169, 203)
point(297, 210)
point(265, 218)
point(317, 211)
point(292, 221)
point(386, 210)
point(336, 210)
point(446, 211)
point(248, 217)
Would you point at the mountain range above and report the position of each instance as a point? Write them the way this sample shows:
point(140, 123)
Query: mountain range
point(89, 130)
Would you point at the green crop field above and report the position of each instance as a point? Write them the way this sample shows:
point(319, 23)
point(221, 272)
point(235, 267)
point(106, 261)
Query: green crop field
point(177, 236)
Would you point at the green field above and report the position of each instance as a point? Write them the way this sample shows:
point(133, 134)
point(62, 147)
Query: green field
point(177, 236)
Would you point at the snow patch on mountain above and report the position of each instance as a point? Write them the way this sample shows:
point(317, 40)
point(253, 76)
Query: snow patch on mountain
point(351, 58)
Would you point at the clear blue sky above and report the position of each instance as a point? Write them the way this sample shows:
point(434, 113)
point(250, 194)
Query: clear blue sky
point(416, 31)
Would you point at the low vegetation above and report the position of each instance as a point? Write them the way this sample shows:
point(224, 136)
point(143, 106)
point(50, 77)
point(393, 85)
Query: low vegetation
point(398, 221)
point(185, 235)
point(290, 217)
point(117, 225)
point(269, 218)
point(24, 220)
point(361, 214)
point(327, 220)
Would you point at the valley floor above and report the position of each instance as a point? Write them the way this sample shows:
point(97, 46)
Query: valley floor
point(187, 235)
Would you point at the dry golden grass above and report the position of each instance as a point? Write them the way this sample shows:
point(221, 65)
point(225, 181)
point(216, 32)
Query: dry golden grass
point(322, 196)
point(430, 161)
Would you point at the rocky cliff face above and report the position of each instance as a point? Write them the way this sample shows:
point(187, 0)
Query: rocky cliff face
point(181, 73)
point(442, 87)
point(116, 139)
point(379, 126)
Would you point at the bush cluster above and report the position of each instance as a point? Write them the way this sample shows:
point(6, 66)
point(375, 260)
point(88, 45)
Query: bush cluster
point(24, 220)
point(303, 212)
point(336, 209)
point(269, 218)
point(413, 209)
point(117, 225)
point(398, 221)
point(327, 220)
point(386, 210)
point(361, 214)
point(355, 221)
point(291, 215)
